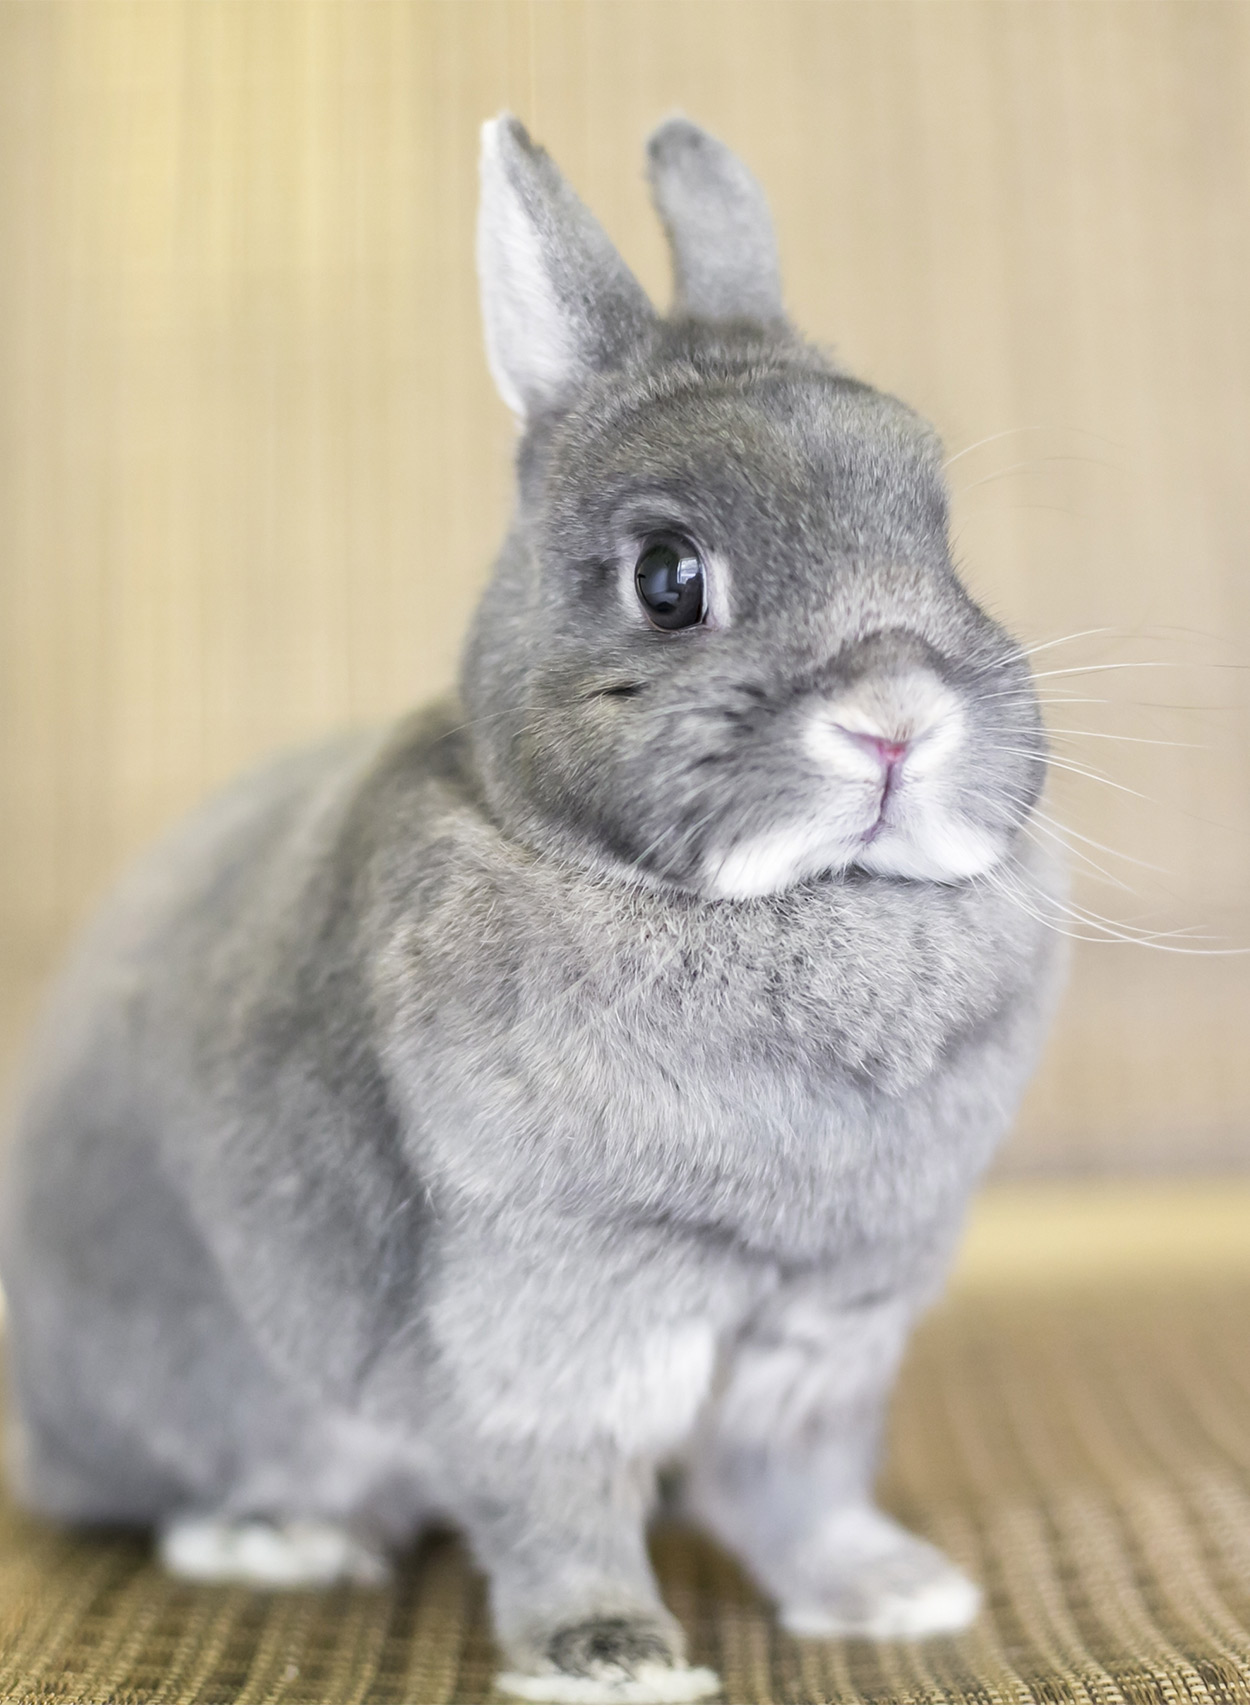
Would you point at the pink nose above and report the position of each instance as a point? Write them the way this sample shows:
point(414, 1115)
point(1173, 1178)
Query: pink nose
point(889, 752)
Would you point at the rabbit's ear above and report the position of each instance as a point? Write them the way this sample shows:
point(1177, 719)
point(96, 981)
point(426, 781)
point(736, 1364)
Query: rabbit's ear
point(558, 302)
point(718, 224)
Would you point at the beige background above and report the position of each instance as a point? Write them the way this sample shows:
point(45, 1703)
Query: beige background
point(252, 470)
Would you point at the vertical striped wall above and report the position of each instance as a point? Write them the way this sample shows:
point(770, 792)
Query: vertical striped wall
point(252, 470)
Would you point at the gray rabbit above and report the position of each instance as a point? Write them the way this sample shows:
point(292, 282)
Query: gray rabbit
point(588, 1075)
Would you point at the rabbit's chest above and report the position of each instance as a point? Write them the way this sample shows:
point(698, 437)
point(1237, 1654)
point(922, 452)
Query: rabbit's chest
point(786, 1074)
point(811, 1110)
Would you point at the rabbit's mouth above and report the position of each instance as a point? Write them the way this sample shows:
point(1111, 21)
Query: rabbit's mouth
point(945, 848)
point(891, 755)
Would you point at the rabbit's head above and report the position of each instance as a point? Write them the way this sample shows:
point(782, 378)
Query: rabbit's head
point(724, 649)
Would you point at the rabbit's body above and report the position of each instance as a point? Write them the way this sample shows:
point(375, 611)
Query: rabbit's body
point(429, 1129)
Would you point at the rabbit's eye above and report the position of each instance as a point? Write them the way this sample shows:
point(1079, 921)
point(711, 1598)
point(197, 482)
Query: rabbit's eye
point(672, 583)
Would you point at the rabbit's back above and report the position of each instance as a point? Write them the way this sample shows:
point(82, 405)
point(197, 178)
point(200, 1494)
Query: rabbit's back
point(147, 1151)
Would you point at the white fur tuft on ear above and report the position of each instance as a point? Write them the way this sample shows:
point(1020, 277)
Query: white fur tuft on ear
point(557, 300)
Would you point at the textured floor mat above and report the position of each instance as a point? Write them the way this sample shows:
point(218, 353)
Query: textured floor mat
point(1083, 1448)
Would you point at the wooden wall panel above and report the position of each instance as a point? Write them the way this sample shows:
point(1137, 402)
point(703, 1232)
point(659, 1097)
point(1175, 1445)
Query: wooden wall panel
point(252, 470)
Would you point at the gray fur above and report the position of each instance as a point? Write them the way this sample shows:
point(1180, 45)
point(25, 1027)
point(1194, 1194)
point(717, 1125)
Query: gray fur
point(417, 1133)
point(718, 224)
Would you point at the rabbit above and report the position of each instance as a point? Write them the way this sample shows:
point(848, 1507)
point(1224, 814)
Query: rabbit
point(582, 1081)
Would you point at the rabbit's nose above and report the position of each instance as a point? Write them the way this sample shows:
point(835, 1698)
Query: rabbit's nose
point(888, 752)
point(887, 728)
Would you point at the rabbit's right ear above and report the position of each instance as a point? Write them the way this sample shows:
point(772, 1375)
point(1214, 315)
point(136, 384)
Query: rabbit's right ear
point(558, 302)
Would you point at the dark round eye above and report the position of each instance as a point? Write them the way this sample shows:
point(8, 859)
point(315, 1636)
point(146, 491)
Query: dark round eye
point(672, 583)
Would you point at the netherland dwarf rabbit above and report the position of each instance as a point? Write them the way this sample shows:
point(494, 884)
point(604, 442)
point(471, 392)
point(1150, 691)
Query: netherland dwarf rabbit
point(587, 1075)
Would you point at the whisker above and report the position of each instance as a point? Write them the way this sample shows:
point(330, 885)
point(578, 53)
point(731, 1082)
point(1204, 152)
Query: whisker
point(1033, 821)
point(1047, 696)
point(1104, 930)
point(1012, 893)
point(1087, 916)
point(1101, 846)
point(1064, 639)
point(1077, 770)
point(1038, 829)
point(1138, 664)
point(1163, 940)
point(1145, 740)
point(1055, 509)
point(1124, 930)
point(990, 439)
point(487, 717)
point(1030, 463)
point(1068, 699)
point(1017, 432)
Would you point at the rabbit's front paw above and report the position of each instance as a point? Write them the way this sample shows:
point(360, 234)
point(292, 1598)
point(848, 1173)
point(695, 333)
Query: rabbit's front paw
point(611, 1659)
point(864, 1575)
point(299, 1553)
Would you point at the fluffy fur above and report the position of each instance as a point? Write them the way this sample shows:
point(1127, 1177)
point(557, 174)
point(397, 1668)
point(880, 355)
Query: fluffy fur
point(590, 1073)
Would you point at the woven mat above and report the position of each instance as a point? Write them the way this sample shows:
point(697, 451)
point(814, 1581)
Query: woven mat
point(1084, 1449)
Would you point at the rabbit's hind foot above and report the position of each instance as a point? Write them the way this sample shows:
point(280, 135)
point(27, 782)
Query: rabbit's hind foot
point(610, 1659)
point(296, 1553)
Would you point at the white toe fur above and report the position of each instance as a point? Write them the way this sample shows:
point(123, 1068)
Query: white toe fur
point(862, 1574)
point(651, 1683)
point(298, 1554)
point(937, 1608)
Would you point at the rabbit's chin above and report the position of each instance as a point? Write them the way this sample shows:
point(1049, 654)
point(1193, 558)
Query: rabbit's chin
point(946, 849)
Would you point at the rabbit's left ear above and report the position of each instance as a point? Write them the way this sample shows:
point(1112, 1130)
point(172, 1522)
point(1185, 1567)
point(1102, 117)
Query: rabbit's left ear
point(558, 302)
point(718, 224)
